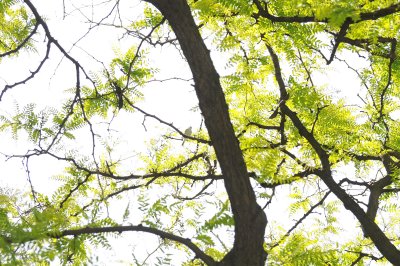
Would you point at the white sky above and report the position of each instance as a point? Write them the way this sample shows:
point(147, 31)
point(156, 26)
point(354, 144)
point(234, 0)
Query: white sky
point(171, 101)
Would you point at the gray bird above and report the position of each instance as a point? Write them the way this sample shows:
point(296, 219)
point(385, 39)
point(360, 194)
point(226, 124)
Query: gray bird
point(187, 132)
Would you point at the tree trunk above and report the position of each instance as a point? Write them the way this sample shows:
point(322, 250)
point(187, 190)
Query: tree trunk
point(250, 219)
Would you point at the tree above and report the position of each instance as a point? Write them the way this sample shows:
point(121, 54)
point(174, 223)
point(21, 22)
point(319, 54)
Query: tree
point(273, 134)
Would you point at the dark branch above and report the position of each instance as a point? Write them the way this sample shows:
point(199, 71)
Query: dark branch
point(381, 241)
point(19, 46)
point(374, 15)
point(127, 228)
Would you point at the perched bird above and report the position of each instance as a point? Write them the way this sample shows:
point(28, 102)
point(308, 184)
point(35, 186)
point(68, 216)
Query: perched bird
point(187, 132)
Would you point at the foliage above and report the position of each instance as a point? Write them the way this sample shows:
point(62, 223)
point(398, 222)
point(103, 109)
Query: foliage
point(16, 28)
point(313, 146)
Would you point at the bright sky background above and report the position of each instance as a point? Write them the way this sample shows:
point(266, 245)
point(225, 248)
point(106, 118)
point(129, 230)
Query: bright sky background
point(171, 101)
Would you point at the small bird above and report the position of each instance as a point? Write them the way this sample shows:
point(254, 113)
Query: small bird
point(187, 132)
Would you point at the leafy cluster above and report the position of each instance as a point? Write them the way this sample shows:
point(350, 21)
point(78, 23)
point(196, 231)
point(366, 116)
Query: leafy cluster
point(16, 27)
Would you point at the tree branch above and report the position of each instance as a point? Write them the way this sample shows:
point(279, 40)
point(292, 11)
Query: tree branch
point(127, 228)
point(380, 240)
point(374, 15)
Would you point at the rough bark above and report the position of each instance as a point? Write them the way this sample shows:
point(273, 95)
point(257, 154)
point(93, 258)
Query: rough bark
point(250, 220)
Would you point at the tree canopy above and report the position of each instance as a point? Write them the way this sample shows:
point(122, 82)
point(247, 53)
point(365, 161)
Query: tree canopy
point(293, 153)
